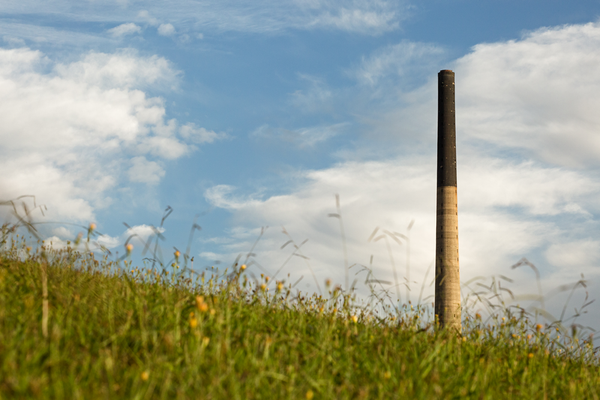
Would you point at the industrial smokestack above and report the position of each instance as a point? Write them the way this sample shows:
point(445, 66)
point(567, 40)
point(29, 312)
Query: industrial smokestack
point(447, 276)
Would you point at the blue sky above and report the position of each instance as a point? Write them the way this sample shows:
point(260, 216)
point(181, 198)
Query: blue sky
point(256, 113)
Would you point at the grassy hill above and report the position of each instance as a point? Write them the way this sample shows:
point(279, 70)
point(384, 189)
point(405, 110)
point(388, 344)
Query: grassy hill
point(73, 326)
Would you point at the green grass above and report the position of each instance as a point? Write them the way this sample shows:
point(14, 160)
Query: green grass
point(114, 331)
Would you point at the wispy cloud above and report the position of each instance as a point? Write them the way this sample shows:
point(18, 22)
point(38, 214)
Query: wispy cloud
point(128, 28)
point(397, 60)
point(266, 16)
point(28, 33)
point(200, 135)
point(316, 98)
point(302, 137)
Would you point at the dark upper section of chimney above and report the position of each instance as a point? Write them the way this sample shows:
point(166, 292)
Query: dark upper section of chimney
point(446, 156)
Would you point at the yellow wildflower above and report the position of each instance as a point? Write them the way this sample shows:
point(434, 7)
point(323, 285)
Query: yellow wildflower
point(200, 304)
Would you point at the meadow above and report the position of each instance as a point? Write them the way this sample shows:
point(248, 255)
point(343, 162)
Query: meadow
point(78, 324)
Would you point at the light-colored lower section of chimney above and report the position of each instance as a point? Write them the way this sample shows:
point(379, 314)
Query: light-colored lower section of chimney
point(447, 281)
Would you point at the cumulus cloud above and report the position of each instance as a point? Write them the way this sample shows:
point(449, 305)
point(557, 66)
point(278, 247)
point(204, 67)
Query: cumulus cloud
point(128, 28)
point(538, 94)
point(389, 195)
point(70, 129)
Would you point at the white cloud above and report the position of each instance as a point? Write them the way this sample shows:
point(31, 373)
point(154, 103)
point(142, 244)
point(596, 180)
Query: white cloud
point(199, 135)
point(145, 171)
point(108, 242)
point(369, 196)
point(141, 232)
point(392, 193)
point(54, 242)
point(166, 30)
point(539, 191)
point(63, 232)
point(164, 146)
point(128, 28)
point(539, 94)
point(582, 256)
point(123, 69)
point(69, 130)
point(218, 196)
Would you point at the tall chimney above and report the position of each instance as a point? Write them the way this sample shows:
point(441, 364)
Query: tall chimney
point(447, 276)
